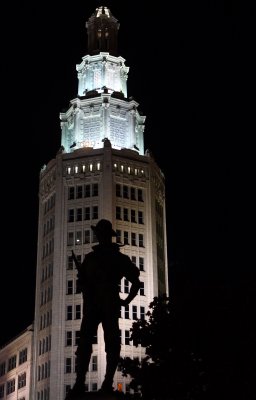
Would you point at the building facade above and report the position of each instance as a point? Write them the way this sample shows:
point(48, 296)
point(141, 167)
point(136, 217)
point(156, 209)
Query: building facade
point(100, 171)
point(16, 367)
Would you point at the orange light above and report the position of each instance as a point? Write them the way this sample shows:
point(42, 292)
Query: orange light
point(119, 387)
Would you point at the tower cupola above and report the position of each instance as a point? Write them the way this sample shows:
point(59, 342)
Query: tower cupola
point(102, 29)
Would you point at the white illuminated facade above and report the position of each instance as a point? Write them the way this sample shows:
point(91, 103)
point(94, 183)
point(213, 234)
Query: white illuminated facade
point(100, 171)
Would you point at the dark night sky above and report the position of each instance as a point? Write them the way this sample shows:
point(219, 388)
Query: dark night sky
point(190, 71)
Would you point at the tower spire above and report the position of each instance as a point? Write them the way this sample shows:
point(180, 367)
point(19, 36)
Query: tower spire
point(102, 29)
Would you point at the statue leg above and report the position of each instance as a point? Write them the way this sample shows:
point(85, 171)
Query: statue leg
point(112, 348)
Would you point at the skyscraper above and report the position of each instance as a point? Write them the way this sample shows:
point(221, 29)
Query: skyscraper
point(100, 171)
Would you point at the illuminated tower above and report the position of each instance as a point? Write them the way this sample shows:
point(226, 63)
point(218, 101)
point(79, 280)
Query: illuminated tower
point(100, 171)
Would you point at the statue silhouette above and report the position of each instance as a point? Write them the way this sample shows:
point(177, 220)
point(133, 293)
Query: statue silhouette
point(99, 276)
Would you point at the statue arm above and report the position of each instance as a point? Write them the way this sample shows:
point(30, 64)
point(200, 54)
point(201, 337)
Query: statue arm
point(133, 292)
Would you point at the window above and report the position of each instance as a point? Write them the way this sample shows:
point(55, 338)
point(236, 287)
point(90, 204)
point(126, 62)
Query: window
point(95, 189)
point(77, 337)
point(127, 337)
point(134, 312)
point(141, 264)
point(2, 369)
point(126, 237)
point(95, 212)
point(118, 190)
point(118, 213)
point(142, 289)
point(134, 260)
point(1, 391)
point(141, 240)
point(23, 356)
point(94, 387)
point(67, 389)
point(126, 214)
point(140, 217)
point(69, 313)
point(69, 287)
point(79, 214)
point(78, 311)
point(126, 312)
point(133, 196)
point(12, 363)
point(71, 193)
point(134, 239)
point(68, 367)
point(69, 338)
point(10, 386)
point(87, 213)
point(79, 192)
point(87, 191)
point(87, 236)
point(70, 238)
point(140, 196)
point(22, 380)
point(133, 216)
point(126, 286)
point(70, 262)
point(94, 237)
point(78, 237)
point(142, 313)
point(94, 363)
point(71, 215)
point(125, 192)
point(118, 236)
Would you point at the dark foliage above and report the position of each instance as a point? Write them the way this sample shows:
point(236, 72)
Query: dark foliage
point(169, 370)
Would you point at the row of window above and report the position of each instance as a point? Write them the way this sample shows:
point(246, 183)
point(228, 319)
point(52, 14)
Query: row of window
point(48, 248)
point(82, 213)
point(125, 214)
point(93, 366)
point(130, 238)
point(92, 190)
point(46, 295)
point(12, 362)
point(10, 385)
point(80, 237)
point(83, 168)
point(47, 272)
point(43, 371)
point(45, 320)
point(96, 166)
point(130, 170)
point(129, 192)
point(81, 191)
point(44, 345)
point(43, 394)
point(49, 225)
point(49, 203)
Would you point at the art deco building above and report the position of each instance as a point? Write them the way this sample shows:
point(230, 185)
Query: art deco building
point(100, 171)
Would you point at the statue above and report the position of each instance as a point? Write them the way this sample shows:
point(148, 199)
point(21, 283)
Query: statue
point(99, 276)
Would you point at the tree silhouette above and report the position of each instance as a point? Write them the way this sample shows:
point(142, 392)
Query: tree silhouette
point(170, 369)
